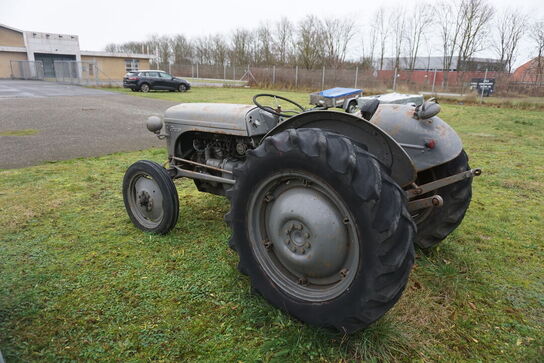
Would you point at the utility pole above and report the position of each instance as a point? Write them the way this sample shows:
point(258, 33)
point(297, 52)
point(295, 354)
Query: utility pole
point(483, 86)
point(274, 74)
point(356, 75)
point(434, 80)
point(323, 78)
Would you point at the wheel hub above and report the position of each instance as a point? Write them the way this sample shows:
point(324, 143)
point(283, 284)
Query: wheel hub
point(148, 199)
point(298, 238)
point(308, 232)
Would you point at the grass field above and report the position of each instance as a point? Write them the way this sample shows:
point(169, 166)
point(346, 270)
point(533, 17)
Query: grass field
point(79, 283)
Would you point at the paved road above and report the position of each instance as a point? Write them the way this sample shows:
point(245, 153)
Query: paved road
point(71, 121)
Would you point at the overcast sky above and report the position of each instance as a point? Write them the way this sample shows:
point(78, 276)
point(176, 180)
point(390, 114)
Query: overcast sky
point(98, 22)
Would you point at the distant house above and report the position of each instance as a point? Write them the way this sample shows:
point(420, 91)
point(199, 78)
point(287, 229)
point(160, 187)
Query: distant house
point(19, 49)
point(530, 72)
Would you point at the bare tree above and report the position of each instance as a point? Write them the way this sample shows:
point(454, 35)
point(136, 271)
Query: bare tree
point(264, 53)
point(382, 31)
point(337, 34)
point(476, 16)
point(182, 50)
point(397, 24)
point(309, 41)
point(510, 27)
point(451, 21)
point(368, 47)
point(418, 21)
point(241, 46)
point(537, 35)
point(283, 39)
point(220, 50)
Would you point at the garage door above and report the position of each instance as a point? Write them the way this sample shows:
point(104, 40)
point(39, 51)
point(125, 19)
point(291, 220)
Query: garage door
point(48, 61)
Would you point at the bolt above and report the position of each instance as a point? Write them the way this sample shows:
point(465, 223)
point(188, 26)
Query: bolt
point(302, 280)
point(306, 235)
point(307, 245)
point(267, 244)
point(293, 248)
point(343, 272)
point(299, 227)
point(436, 202)
point(418, 191)
point(346, 220)
point(268, 198)
point(301, 250)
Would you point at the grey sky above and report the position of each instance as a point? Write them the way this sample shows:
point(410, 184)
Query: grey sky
point(98, 22)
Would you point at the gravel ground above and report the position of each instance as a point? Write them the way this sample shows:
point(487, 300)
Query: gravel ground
point(66, 122)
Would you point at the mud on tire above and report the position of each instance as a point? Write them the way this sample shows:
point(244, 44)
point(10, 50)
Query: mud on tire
point(378, 225)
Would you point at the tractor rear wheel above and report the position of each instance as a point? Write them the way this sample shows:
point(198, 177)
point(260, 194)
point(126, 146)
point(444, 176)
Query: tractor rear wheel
point(321, 229)
point(435, 224)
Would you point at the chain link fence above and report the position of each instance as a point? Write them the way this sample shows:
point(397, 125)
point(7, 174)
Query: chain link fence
point(297, 77)
point(22, 69)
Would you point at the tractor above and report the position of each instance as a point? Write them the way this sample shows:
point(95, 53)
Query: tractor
point(325, 206)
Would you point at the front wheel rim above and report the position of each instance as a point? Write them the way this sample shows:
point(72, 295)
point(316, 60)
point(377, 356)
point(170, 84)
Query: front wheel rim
point(303, 236)
point(146, 200)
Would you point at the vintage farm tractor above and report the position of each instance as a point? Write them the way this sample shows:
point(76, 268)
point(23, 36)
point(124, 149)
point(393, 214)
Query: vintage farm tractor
point(325, 206)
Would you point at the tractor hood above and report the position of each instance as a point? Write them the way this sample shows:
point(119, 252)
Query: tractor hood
point(209, 117)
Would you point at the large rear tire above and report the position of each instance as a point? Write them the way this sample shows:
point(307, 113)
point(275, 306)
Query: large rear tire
point(150, 197)
point(321, 229)
point(435, 224)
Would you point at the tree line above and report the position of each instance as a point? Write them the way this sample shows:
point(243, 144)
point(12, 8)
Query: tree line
point(454, 30)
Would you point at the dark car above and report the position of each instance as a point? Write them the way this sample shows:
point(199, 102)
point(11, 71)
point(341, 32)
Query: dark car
point(158, 80)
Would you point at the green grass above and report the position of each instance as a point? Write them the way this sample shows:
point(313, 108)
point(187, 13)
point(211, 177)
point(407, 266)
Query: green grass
point(216, 95)
point(25, 132)
point(79, 283)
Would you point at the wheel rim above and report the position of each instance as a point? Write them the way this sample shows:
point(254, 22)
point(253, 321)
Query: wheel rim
point(303, 236)
point(182, 88)
point(145, 200)
point(145, 88)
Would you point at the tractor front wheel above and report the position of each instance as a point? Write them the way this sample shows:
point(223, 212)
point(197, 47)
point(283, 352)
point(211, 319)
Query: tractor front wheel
point(321, 229)
point(435, 224)
point(150, 197)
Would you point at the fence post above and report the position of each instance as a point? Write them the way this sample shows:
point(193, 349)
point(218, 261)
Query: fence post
point(485, 81)
point(434, 80)
point(234, 72)
point(395, 80)
point(296, 77)
point(225, 71)
point(197, 70)
point(192, 71)
point(323, 78)
point(274, 74)
point(356, 75)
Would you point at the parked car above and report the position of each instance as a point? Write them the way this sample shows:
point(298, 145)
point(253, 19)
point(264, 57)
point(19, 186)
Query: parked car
point(147, 80)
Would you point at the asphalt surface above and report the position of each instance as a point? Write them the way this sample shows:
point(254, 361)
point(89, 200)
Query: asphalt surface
point(72, 122)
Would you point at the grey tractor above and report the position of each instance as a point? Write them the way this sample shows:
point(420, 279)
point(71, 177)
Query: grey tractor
point(326, 206)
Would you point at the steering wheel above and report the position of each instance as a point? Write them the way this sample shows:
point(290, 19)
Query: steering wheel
point(277, 111)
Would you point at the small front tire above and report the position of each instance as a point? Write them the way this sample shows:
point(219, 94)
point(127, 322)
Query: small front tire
point(182, 88)
point(150, 197)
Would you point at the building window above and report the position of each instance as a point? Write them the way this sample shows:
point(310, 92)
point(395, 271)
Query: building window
point(132, 65)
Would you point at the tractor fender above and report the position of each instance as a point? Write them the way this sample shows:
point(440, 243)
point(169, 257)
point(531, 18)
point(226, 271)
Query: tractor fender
point(429, 141)
point(365, 134)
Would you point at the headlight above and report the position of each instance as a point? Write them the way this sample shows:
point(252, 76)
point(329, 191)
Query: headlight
point(154, 124)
